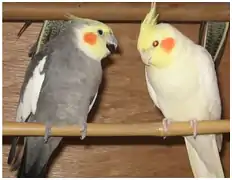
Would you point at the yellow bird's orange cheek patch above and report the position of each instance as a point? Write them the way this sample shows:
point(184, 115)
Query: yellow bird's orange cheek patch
point(168, 44)
point(90, 38)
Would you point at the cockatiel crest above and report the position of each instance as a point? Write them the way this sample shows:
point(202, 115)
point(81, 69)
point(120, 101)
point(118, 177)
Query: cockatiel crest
point(158, 41)
point(147, 25)
point(150, 19)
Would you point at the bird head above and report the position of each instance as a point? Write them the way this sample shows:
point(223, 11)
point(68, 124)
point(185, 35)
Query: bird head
point(156, 42)
point(95, 39)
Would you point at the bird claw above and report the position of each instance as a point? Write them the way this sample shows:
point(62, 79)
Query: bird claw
point(83, 131)
point(193, 124)
point(48, 132)
point(166, 123)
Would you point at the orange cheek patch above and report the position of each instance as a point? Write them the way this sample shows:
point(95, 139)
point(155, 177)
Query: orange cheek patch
point(168, 44)
point(90, 38)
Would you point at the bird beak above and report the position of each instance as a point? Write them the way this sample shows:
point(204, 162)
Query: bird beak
point(112, 44)
point(111, 47)
point(145, 57)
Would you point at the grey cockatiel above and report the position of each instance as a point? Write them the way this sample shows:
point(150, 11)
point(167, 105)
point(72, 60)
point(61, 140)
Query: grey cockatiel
point(49, 30)
point(60, 87)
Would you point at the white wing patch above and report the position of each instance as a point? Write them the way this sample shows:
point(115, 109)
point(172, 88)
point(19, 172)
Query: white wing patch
point(92, 103)
point(151, 91)
point(31, 93)
point(38, 79)
point(19, 114)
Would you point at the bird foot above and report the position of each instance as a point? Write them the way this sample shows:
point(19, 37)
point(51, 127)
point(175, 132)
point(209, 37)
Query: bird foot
point(166, 122)
point(193, 124)
point(83, 131)
point(48, 132)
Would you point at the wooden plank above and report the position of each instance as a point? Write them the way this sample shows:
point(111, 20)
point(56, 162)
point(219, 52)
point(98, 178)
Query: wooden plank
point(17, 11)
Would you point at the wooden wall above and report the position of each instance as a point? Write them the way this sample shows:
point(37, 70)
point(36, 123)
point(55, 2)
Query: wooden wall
point(124, 99)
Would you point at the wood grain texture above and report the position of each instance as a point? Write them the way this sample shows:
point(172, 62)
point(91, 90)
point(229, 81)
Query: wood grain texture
point(177, 11)
point(124, 99)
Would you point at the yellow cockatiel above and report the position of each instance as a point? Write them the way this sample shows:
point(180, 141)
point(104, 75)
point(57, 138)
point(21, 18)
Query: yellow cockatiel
point(182, 83)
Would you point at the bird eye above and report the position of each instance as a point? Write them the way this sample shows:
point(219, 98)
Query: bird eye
point(155, 43)
point(100, 32)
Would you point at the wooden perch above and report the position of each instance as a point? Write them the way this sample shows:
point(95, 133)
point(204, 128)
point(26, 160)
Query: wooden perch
point(142, 129)
point(19, 11)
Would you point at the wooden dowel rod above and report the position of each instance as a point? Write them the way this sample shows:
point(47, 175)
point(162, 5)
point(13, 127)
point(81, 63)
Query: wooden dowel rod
point(142, 129)
point(113, 11)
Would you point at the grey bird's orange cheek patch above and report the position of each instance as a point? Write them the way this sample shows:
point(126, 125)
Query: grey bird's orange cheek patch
point(90, 38)
point(168, 44)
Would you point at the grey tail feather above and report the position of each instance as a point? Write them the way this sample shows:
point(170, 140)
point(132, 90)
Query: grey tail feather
point(13, 157)
point(15, 166)
point(222, 45)
point(212, 36)
point(15, 154)
point(12, 152)
point(36, 166)
point(219, 55)
point(36, 171)
point(23, 29)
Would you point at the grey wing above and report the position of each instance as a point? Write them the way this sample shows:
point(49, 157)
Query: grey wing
point(33, 80)
point(27, 107)
point(29, 95)
point(49, 31)
point(41, 152)
point(30, 89)
point(66, 97)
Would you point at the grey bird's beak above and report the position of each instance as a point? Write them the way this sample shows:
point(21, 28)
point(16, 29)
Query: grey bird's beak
point(112, 44)
point(111, 47)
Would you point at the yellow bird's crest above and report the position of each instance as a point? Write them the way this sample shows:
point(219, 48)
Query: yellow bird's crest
point(148, 24)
